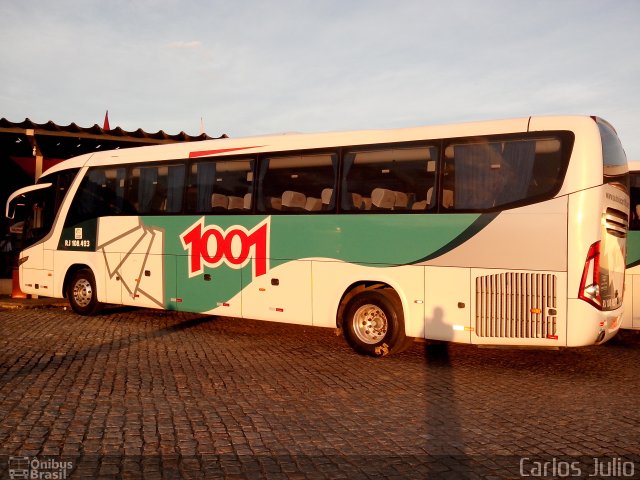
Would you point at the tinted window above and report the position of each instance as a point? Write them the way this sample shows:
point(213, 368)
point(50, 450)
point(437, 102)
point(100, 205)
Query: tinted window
point(297, 183)
point(220, 186)
point(485, 174)
point(111, 193)
point(61, 181)
point(102, 193)
point(156, 189)
point(613, 157)
point(394, 179)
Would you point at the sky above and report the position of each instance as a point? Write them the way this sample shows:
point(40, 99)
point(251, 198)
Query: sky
point(256, 67)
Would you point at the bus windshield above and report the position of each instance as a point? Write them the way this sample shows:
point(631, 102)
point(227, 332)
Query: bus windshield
point(33, 212)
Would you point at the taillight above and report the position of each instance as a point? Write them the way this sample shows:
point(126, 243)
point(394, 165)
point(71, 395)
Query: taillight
point(590, 284)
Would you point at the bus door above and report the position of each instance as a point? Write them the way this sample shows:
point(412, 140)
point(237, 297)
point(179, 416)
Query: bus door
point(36, 203)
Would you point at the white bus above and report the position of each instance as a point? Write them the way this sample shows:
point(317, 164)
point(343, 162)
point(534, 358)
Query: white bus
point(631, 316)
point(504, 232)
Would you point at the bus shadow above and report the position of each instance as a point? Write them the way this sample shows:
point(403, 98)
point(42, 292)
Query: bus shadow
point(109, 309)
point(54, 360)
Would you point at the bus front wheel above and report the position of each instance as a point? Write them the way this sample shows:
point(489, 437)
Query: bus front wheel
point(373, 323)
point(82, 293)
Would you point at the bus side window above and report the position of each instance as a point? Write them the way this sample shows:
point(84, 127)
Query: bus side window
point(234, 180)
point(156, 189)
point(200, 187)
point(113, 192)
point(220, 186)
point(175, 188)
point(485, 175)
point(475, 174)
point(150, 194)
point(101, 194)
point(297, 183)
point(396, 179)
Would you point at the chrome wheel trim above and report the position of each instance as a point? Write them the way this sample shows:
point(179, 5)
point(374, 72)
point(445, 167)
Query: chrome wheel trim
point(370, 324)
point(82, 292)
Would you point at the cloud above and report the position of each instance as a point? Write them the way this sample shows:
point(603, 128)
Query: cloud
point(192, 44)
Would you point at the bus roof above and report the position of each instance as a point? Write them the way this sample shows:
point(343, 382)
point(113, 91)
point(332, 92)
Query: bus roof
point(298, 141)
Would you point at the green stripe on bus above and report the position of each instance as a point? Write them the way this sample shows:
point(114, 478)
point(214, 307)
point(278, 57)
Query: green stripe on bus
point(363, 239)
point(633, 249)
point(373, 240)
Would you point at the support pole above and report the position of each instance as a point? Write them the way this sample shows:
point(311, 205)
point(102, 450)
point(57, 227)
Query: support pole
point(36, 152)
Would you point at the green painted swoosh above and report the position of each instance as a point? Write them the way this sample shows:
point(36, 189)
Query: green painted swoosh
point(372, 240)
point(633, 248)
point(368, 239)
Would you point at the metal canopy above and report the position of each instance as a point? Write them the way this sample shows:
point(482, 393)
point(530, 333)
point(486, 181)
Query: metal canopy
point(35, 146)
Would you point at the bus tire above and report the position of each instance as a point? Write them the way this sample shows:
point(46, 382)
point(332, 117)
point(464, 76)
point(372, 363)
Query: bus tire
point(82, 293)
point(373, 323)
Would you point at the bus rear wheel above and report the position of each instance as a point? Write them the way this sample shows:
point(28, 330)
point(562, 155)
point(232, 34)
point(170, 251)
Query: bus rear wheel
point(373, 323)
point(82, 293)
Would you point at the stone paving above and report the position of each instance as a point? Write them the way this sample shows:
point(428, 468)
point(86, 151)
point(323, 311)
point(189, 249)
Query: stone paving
point(149, 394)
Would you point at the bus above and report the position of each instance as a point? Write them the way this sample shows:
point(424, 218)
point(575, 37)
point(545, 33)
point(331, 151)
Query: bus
point(507, 232)
point(631, 316)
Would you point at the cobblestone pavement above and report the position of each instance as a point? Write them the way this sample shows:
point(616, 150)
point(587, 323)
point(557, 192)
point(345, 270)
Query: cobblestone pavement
point(149, 394)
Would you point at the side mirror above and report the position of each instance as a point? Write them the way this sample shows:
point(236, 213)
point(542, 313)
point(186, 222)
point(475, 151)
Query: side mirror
point(12, 207)
point(18, 198)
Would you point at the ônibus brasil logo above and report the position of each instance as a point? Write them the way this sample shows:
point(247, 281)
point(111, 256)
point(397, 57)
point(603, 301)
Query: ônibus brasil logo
point(212, 246)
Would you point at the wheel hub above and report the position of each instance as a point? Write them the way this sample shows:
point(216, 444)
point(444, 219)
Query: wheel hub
point(370, 324)
point(82, 292)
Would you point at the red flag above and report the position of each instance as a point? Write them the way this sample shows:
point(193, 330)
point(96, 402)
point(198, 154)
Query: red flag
point(106, 121)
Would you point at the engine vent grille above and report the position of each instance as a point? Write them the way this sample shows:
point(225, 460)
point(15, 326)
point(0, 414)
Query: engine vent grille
point(516, 305)
point(616, 222)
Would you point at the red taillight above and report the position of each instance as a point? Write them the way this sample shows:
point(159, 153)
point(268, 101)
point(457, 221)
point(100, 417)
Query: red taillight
point(590, 284)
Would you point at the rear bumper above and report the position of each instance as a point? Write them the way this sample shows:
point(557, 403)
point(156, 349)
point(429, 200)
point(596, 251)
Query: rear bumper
point(589, 326)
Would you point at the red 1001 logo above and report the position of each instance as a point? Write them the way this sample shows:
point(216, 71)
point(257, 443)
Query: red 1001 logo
point(211, 246)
